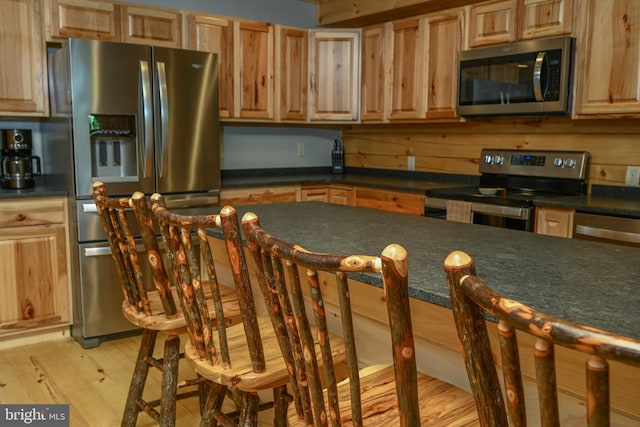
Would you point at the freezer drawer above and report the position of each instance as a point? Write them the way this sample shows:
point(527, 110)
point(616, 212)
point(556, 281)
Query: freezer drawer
point(100, 296)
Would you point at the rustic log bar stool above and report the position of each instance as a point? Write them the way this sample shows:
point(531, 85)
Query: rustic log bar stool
point(246, 359)
point(378, 396)
point(472, 298)
point(154, 311)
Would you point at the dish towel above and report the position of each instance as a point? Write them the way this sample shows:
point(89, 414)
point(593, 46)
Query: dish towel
point(459, 211)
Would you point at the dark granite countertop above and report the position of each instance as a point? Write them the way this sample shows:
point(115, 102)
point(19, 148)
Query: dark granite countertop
point(603, 200)
point(586, 282)
point(416, 182)
point(45, 186)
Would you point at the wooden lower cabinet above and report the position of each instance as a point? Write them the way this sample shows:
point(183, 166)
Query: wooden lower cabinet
point(259, 195)
point(34, 280)
point(392, 201)
point(554, 221)
point(339, 195)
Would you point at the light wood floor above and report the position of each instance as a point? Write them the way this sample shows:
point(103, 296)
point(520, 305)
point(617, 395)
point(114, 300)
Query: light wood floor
point(94, 382)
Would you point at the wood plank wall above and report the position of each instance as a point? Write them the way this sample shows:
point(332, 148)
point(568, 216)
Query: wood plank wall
point(455, 147)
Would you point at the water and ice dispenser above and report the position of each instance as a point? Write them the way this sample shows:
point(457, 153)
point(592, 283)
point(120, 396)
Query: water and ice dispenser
point(113, 148)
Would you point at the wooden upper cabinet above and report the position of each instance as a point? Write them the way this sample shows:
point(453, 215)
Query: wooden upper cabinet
point(291, 77)
point(82, 19)
point(608, 55)
point(253, 70)
point(443, 43)
point(375, 76)
point(334, 76)
point(23, 75)
point(215, 34)
point(491, 22)
point(407, 70)
point(151, 25)
point(505, 21)
point(542, 18)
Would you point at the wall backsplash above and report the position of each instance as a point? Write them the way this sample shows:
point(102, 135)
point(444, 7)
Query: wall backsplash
point(455, 147)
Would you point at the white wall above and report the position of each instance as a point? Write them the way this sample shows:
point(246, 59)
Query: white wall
point(256, 148)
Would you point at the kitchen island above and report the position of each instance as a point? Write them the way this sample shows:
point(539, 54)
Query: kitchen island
point(586, 282)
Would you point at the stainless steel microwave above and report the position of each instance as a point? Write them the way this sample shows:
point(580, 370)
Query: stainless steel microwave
point(531, 77)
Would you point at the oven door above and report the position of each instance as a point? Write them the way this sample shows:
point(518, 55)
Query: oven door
point(512, 217)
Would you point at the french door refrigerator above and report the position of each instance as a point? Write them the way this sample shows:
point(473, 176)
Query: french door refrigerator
point(139, 118)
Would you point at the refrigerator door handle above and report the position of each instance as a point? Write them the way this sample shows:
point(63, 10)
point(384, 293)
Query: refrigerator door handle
point(164, 117)
point(146, 103)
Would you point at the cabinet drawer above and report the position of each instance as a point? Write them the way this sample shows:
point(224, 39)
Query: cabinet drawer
point(31, 212)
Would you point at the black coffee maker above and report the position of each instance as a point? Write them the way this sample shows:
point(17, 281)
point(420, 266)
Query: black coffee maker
point(19, 166)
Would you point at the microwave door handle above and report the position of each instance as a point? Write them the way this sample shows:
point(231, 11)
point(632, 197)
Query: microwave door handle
point(164, 117)
point(147, 120)
point(537, 76)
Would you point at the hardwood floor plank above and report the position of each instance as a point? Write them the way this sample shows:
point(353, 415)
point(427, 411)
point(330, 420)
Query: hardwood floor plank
point(94, 382)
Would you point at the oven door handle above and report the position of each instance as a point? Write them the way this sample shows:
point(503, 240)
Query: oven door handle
point(603, 233)
point(500, 210)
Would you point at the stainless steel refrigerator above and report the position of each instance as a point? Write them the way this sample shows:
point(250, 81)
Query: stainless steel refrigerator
point(138, 118)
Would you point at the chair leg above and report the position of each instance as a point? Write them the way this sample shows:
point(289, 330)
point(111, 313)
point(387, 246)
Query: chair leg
point(281, 400)
point(212, 411)
point(139, 378)
point(169, 381)
point(249, 411)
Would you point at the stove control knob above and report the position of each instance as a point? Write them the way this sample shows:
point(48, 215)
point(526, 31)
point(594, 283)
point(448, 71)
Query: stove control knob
point(498, 160)
point(570, 163)
point(558, 162)
point(488, 159)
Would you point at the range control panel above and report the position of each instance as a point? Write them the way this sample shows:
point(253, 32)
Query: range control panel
point(539, 163)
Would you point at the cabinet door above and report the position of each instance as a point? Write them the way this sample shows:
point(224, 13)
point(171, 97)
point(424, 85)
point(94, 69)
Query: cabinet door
point(544, 18)
point(292, 59)
point(554, 222)
point(153, 26)
point(376, 63)
point(342, 196)
point(215, 34)
point(82, 19)
point(23, 76)
point(407, 100)
point(334, 88)
point(608, 56)
point(491, 22)
point(35, 289)
point(253, 70)
point(444, 41)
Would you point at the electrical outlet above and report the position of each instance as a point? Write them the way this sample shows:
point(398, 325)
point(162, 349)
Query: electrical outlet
point(300, 149)
point(411, 163)
point(632, 178)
